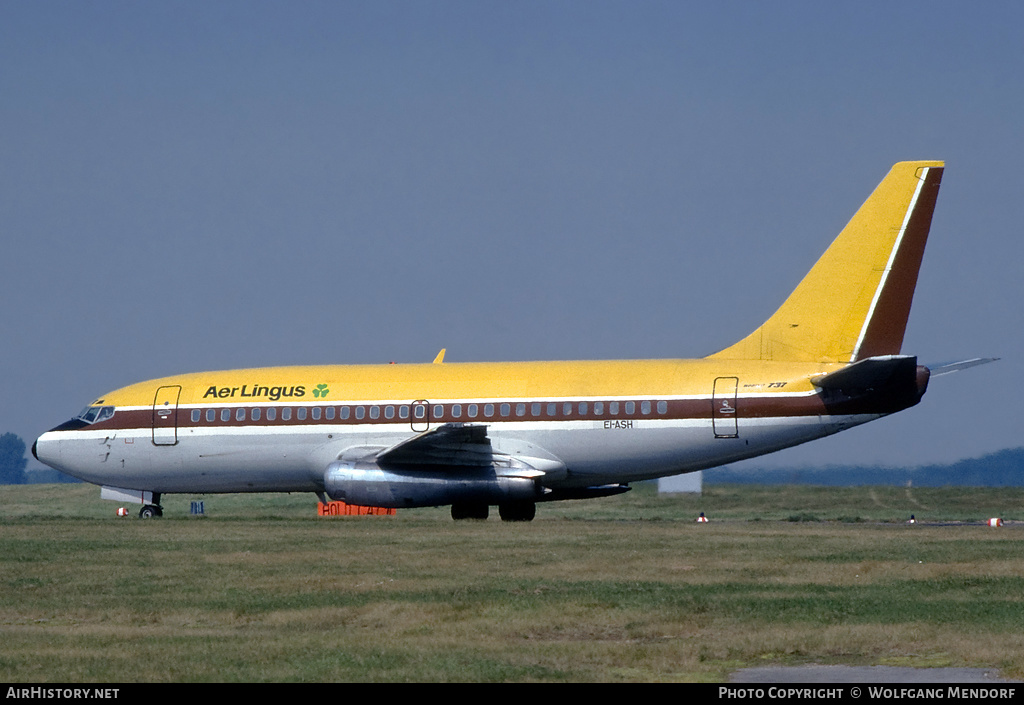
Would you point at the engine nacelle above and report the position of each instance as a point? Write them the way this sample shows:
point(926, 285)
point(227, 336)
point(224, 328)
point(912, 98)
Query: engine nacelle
point(366, 484)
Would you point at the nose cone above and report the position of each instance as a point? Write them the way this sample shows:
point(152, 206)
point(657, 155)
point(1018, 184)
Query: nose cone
point(46, 450)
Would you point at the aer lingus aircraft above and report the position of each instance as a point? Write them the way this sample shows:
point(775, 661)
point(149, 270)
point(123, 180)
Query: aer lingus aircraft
point(475, 435)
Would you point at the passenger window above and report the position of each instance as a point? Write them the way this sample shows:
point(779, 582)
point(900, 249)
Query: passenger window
point(286, 414)
point(457, 411)
point(662, 407)
point(256, 414)
point(271, 414)
point(225, 414)
point(438, 411)
point(360, 412)
point(403, 411)
point(389, 412)
point(552, 409)
point(329, 413)
point(317, 412)
point(535, 409)
point(488, 410)
point(505, 409)
point(345, 413)
point(196, 415)
point(211, 415)
point(374, 412)
point(583, 408)
point(630, 407)
point(598, 408)
point(419, 411)
point(240, 415)
point(613, 407)
point(300, 413)
point(567, 409)
point(645, 407)
point(472, 411)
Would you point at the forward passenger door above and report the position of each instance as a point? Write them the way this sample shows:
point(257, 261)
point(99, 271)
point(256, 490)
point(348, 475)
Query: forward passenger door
point(165, 416)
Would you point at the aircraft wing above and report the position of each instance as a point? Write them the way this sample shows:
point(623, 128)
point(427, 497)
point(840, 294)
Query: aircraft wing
point(456, 446)
point(452, 445)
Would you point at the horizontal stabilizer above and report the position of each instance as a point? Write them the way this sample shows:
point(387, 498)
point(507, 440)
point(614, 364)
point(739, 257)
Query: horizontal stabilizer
point(946, 368)
point(870, 373)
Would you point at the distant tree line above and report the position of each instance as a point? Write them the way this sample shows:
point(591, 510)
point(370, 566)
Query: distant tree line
point(12, 460)
point(1004, 468)
point(13, 464)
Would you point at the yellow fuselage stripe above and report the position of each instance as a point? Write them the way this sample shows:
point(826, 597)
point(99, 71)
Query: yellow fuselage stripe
point(533, 380)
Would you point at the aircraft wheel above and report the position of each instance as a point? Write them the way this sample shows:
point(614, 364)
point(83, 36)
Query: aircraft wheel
point(150, 511)
point(466, 510)
point(517, 511)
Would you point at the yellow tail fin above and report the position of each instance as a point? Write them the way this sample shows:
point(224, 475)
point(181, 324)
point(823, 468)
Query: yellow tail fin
point(855, 301)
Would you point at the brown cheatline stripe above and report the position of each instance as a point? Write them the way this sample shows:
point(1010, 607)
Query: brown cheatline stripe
point(769, 406)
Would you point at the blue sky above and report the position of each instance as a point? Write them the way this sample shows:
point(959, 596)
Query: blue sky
point(190, 185)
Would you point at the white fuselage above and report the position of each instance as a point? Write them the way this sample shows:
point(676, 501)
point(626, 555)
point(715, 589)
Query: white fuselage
point(260, 458)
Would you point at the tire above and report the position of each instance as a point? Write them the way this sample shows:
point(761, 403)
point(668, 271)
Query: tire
point(517, 511)
point(469, 510)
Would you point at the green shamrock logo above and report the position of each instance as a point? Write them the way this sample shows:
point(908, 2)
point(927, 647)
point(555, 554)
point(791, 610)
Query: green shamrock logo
point(320, 391)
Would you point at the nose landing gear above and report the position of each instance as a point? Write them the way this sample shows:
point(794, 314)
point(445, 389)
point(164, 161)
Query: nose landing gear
point(152, 511)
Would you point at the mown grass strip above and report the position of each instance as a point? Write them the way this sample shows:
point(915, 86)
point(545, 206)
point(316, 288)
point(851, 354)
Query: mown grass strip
point(611, 590)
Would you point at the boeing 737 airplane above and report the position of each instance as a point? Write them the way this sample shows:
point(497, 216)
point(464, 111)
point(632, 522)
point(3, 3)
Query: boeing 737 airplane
point(476, 435)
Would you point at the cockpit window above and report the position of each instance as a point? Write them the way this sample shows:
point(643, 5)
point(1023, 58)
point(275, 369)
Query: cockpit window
point(95, 414)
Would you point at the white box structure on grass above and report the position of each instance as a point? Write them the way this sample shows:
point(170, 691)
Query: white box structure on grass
point(690, 483)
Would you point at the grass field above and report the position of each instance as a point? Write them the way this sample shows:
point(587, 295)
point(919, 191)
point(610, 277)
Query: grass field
point(627, 588)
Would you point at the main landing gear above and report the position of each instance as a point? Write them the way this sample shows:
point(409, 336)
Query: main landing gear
point(510, 511)
point(469, 510)
point(517, 511)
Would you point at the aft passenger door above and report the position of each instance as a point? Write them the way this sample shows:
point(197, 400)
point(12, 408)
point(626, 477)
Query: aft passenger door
point(723, 408)
point(165, 416)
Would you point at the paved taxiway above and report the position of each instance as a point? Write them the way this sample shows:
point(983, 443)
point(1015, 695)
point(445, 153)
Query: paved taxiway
point(864, 674)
